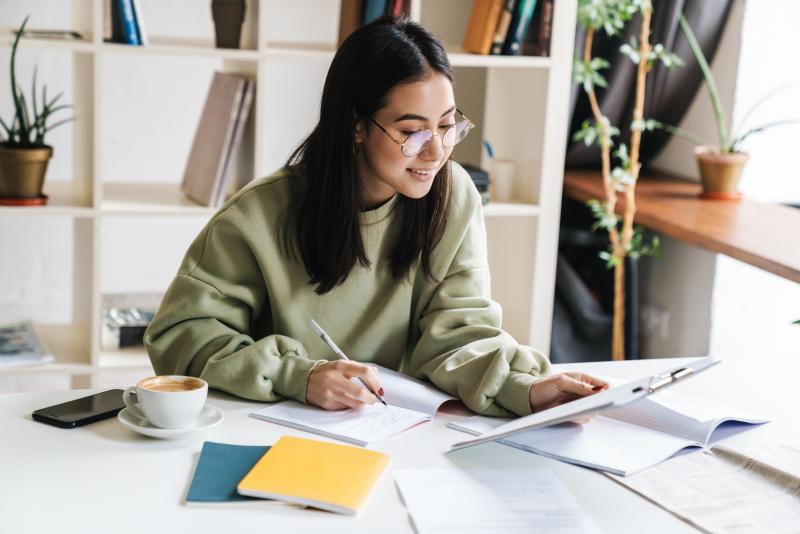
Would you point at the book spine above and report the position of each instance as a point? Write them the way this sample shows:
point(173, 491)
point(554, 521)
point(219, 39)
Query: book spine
point(372, 10)
point(349, 17)
point(243, 112)
point(503, 24)
point(140, 30)
point(128, 19)
point(116, 22)
point(545, 28)
point(482, 24)
point(519, 26)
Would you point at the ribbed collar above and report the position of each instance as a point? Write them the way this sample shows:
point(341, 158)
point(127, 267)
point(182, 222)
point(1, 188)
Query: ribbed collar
point(379, 213)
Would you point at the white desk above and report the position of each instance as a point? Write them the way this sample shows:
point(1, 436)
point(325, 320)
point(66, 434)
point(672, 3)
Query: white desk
point(105, 478)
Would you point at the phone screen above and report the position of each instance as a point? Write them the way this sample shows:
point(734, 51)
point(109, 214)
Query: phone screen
point(91, 407)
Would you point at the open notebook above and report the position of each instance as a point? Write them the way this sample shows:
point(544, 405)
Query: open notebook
point(627, 439)
point(410, 402)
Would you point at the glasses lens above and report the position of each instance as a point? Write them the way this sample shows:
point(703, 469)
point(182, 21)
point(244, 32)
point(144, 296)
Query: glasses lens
point(417, 142)
point(456, 133)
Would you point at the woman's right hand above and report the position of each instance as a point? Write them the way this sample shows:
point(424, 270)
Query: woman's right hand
point(330, 387)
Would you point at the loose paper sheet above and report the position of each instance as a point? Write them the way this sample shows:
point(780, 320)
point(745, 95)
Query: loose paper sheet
point(489, 501)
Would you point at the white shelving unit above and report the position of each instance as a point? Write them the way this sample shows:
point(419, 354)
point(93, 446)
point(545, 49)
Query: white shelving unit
point(519, 104)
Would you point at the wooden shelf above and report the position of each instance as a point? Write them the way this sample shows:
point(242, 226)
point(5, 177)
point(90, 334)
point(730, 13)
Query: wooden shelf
point(66, 45)
point(149, 199)
point(756, 233)
point(459, 58)
point(181, 47)
point(510, 209)
point(63, 201)
point(128, 358)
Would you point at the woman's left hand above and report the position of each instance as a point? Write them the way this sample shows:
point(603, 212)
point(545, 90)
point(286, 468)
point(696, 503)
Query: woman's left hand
point(564, 387)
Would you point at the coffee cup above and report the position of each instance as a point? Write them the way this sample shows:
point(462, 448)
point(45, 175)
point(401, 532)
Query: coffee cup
point(169, 401)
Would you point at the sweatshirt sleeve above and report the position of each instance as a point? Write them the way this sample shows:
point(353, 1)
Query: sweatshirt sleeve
point(461, 348)
point(211, 315)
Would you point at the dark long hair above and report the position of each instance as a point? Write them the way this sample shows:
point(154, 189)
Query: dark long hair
point(322, 224)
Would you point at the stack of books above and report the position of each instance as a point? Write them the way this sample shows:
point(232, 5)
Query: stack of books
point(123, 23)
point(217, 139)
point(298, 471)
point(20, 344)
point(510, 27)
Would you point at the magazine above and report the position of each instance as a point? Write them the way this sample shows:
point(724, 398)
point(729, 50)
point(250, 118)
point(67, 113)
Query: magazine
point(21, 345)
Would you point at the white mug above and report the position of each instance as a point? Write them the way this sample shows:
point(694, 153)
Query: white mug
point(169, 401)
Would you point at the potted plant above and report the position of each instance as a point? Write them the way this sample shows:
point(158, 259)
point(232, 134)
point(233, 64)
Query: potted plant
point(720, 165)
point(23, 153)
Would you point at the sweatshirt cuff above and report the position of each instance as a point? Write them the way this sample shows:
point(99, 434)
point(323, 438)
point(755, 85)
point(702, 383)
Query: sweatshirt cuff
point(292, 379)
point(515, 393)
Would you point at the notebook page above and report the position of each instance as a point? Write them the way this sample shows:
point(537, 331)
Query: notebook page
point(650, 414)
point(410, 393)
point(603, 443)
point(360, 427)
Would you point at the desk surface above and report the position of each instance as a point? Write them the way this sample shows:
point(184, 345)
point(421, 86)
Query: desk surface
point(106, 478)
point(761, 234)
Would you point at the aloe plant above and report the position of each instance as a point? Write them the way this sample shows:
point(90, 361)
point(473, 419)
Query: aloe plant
point(29, 124)
point(729, 140)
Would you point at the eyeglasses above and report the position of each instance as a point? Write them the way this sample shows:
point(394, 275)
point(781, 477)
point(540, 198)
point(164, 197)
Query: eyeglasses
point(419, 140)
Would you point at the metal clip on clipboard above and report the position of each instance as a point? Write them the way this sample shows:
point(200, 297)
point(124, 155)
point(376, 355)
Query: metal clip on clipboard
point(662, 379)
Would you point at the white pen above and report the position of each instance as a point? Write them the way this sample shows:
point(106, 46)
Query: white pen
point(328, 341)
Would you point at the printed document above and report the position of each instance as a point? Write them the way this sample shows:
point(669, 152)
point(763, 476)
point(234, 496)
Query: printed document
point(489, 501)
point(720, 490)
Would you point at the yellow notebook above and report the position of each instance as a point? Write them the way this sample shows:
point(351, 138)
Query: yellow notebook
point(332, 477)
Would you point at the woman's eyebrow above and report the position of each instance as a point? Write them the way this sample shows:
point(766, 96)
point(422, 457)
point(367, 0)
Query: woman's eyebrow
point(411, 116)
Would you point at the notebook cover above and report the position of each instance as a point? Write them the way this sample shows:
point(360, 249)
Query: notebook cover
point(220, 467)
point(329, 476)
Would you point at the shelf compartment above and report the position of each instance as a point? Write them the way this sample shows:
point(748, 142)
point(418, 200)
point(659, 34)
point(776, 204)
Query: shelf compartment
point(149, 199)
point(300, 50)
point(64, 344)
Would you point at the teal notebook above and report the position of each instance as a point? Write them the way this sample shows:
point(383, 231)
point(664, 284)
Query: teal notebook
point(219, 469)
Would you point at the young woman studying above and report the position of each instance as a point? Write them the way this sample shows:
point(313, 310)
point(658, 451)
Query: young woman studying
point(370, 230)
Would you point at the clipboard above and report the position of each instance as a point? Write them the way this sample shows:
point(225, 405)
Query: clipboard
point(612, 398)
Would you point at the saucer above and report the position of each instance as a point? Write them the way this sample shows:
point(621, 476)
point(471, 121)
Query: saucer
point(210, 416)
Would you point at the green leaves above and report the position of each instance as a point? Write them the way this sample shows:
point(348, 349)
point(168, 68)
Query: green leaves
point(587, 73)
point(609, 16)
point(639, 248)
point(30, 123)
point(668, 59)
point(603, 219)
point(590, 132)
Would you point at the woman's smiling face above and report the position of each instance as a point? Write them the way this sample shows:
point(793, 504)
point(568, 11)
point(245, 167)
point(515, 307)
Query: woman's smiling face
point(382, 167)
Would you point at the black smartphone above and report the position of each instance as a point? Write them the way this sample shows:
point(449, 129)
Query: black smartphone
point(82, 411)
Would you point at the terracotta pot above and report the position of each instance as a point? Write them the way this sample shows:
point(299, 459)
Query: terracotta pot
point(720, 173)
point(22, 171)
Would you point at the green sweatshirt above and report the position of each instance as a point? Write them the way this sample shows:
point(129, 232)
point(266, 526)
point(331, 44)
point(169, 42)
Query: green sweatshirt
point(237, 313)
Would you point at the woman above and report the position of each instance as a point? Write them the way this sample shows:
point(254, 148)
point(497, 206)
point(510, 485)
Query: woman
point(374, 233)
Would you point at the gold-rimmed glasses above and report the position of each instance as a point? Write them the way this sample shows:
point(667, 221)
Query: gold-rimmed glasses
point(418, 141)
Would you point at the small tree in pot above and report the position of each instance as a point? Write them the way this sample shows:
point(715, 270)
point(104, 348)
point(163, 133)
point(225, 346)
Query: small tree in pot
point(23, 153)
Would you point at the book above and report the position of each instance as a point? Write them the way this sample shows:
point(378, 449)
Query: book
point(518, 27)
point(545, 29)
point(206, 166)
point(128, 23)
point(410, 402)
point(20, 344)
point(373, 9)
point(141, 32)
point(483, 21)
point(219, 468)
point(232, 152)
point(501, 31)
point(328, 476)
point(349, 18)
point(630, 438)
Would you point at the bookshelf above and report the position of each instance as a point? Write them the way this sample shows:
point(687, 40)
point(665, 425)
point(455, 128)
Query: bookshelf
point(520, 105)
